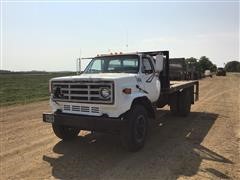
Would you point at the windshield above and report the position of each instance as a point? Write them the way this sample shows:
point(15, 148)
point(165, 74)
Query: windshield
point(113, 64)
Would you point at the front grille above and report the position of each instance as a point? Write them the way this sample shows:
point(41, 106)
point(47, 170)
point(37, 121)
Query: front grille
point(67, 107)
point(82, 91)
point(80, 109)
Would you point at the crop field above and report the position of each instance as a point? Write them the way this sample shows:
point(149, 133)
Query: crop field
point(24, 88)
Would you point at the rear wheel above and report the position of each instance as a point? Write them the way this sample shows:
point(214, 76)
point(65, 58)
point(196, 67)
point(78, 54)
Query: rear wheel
point(174, 104)
point(64, 132)
point(180, 104)
point(134, 134)
point(184, 105)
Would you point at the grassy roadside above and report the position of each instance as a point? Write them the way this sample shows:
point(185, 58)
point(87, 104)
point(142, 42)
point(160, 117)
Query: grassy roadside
point(25, 88)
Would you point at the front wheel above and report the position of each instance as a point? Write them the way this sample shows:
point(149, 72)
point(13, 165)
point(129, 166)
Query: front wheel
point(134, 134)
point(64, 132)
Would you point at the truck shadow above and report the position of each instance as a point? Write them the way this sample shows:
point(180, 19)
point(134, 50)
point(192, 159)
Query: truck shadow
point(173, 149)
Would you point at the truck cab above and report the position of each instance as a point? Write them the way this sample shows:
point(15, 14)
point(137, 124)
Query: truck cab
point(117, 93)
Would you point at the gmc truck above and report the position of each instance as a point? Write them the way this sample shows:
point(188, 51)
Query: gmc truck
point(118, 93)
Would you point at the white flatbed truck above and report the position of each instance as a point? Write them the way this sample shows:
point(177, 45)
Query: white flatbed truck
point(118, 93)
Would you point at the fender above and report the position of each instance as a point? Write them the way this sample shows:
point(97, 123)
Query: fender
point(146, 103)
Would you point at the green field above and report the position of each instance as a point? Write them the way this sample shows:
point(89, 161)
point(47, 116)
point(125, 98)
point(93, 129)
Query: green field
point(25, 88)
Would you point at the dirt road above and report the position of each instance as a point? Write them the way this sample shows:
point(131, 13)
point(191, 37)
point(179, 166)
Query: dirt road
point(204, 145)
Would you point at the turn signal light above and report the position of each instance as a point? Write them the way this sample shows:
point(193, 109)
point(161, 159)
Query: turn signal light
point(127, 91)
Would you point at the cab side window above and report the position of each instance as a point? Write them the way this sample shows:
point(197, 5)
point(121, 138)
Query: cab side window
point(147, 66)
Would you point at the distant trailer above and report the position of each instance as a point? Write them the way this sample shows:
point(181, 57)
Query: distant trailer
point(177, 69)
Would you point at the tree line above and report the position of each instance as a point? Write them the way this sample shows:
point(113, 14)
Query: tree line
point(204, 63)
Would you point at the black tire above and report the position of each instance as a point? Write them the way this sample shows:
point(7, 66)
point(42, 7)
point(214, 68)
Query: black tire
point(174, 104)
point(180, 104)
point(65, 133)
point(133, 136)
point(184, 103)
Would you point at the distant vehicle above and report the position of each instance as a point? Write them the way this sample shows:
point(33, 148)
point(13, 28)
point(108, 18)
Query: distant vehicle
point(177, 69)
point(207, 73)
point(221, 72)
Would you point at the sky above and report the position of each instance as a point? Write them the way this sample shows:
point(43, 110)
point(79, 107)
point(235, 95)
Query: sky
point(51, 35)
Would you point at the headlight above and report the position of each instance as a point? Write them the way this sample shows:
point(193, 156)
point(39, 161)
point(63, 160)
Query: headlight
point(105, 92)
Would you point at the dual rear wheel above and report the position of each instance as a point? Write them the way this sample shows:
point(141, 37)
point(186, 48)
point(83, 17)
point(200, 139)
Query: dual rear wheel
point(180, 103)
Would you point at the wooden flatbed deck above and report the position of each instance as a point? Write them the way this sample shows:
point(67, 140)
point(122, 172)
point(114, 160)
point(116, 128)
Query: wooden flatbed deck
point(180, 85)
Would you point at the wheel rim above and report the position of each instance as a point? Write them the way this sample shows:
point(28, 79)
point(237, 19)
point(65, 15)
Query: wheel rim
point(140, 128)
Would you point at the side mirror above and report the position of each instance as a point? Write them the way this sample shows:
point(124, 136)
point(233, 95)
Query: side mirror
point(159, 63)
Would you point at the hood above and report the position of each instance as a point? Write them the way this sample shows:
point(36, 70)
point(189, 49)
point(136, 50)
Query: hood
point(95, 77)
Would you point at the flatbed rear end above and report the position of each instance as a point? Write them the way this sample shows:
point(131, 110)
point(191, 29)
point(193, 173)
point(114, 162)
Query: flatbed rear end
point(179, 96)
point(176, 86)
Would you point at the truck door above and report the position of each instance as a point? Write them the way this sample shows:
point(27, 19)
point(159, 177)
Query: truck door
point(149, 79)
